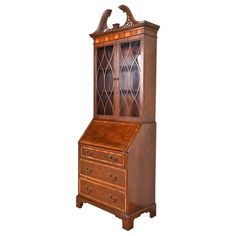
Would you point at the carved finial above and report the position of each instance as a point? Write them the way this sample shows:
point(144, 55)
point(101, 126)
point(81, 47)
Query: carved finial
point(102, 27)
point(130, 19)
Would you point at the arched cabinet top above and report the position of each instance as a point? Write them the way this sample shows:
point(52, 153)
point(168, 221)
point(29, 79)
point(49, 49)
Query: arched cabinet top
point(130, 23)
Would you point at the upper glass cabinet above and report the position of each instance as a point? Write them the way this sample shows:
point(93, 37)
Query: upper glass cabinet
point(117, 75)
point(125, 69)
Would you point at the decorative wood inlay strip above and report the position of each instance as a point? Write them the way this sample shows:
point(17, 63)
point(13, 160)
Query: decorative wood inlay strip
point(105, 203)
point(120, 35)
point(108, 166)
point(103, 183)
point(101, 160)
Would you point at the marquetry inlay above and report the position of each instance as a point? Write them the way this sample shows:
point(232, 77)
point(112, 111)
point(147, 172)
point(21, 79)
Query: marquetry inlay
point(121, 35)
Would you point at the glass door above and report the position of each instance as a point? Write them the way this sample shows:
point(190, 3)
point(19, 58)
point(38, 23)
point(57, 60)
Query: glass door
point(104, 74)
point(129, 78)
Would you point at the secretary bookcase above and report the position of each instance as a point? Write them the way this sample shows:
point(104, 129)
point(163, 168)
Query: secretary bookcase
point(117, 150)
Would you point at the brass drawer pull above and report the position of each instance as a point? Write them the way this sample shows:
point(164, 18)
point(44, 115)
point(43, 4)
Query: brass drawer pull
point(88, 171)
point(88, 189)
point(88, 152)
point(113, 199)
point(112, 157)
point(113, 177)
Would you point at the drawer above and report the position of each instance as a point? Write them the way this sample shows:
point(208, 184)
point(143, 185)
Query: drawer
point(99, 193)
point(103, 156)
point(103, 172)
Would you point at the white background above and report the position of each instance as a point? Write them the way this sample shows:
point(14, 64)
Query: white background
point(46, 74)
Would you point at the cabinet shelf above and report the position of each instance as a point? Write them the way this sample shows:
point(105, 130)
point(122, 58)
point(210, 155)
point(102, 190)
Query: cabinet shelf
point(131, 66)
point(129, 91)
point(104, 92)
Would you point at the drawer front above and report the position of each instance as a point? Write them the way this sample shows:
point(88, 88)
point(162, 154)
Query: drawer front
point(102, 194)
point(102, 172)
point(104, 156)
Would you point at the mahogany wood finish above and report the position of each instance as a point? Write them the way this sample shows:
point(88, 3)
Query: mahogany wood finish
point(100, 193)
point(99, 155)
point(110, 134)
point(118, 149)
point(111, 175)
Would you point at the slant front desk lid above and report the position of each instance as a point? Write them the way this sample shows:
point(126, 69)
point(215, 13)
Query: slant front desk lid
point(110, 134)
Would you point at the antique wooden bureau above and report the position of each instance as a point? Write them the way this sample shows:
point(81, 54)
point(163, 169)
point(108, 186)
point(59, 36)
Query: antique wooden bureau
point(117, 150)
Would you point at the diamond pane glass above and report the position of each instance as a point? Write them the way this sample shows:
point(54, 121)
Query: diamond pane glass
point(130, 79)
point(104, 78)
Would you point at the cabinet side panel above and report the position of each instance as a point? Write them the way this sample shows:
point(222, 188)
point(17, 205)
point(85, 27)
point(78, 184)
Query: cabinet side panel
point(141, 169)
point(79, 153)
point(149, 77)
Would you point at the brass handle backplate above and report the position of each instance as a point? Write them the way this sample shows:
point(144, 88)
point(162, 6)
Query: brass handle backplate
point(113, 177)
point(88, 171)
point(88, 189)
point(88, 152)
point(113, 199)
point(112, 157)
